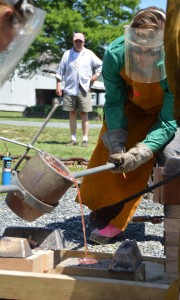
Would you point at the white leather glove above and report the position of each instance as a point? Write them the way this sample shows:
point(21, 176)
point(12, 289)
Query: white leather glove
point(24, 7)
point(132, 159)
point(115, 140)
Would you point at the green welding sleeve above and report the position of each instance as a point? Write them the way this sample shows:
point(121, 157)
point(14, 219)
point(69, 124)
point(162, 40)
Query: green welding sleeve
point(166, 126)
point(116, 90)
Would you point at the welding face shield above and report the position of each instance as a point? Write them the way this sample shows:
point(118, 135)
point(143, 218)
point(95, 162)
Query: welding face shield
point(25, 30)
point(144, 54)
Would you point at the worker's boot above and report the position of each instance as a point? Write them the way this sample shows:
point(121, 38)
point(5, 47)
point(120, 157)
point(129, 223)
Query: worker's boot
point(105, 235)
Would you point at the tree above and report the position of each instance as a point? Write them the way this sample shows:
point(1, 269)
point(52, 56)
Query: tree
point(101, 21)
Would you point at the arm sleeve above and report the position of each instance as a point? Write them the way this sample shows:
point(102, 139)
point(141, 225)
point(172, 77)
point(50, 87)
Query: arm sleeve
point(62, 67)
point(97, 64)
point(115, 87)
point(166, 126)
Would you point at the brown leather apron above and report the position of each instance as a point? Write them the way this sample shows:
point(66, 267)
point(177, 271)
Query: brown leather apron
point(107, 188)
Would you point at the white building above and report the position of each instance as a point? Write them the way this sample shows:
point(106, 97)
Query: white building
point(18, 93)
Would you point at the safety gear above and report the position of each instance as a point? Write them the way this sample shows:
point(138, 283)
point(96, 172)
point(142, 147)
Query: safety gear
point(132, 159)
point(105, 235)
point(144, 54)
point(24, 8)
point(27, 23)
point(115, 140)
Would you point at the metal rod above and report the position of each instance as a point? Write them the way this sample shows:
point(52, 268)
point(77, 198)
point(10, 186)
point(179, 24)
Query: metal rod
point(101, 217)
point(20, 144)
point(37, 135)
point(11, 188)
point(95, 170)
point(44, 123)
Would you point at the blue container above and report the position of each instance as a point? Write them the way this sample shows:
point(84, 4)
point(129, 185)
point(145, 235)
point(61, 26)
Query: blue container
point(6, 170)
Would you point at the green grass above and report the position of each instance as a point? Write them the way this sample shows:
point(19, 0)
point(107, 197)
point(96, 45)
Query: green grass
point(17, 116)
point(51, 140)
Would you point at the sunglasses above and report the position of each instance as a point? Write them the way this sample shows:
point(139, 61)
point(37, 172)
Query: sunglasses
point(149, 52)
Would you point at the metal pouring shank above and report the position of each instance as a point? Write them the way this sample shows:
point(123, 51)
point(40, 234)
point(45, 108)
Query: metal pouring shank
point(28, 146)
point(43, 186)
point(44, 180)
point(95, 170)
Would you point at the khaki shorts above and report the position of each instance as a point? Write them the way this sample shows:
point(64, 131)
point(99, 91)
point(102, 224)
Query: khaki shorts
point(81, 103)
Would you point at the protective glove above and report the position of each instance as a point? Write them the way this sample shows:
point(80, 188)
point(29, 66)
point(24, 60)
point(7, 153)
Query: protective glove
point(24, 7)
point(27, 7)
point(115, 140)
point(132, 159)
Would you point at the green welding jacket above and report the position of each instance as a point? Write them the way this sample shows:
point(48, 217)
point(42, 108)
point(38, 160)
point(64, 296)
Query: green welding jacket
point(150, 97)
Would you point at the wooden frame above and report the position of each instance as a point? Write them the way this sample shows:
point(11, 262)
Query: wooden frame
point(41, 286)
point(26, 285)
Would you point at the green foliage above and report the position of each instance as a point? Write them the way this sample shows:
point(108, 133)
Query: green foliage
point(100, 21)
point(37, 111)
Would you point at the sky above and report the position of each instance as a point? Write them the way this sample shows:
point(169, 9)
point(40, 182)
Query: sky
point(158, 3)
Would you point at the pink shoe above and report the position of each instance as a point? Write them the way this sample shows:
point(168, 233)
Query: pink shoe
point(105, 235)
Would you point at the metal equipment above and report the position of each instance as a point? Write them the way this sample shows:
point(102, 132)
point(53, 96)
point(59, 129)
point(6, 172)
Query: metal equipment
point(44, 179)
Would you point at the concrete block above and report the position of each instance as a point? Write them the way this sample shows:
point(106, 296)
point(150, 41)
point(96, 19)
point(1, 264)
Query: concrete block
point(42, 238)
point(14, 247)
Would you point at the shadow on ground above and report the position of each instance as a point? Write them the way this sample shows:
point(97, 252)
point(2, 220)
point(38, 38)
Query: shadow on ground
point(73, 233)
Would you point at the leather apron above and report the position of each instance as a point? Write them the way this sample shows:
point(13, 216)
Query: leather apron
point(106, 188)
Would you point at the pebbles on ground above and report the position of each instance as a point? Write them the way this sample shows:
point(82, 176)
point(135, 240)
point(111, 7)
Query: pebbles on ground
point(67, 217)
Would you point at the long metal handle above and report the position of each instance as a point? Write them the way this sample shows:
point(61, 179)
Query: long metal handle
point(95, 170)
point(28, 146)
point(36, 136)
point(11, 188)
point(44, 123)
point(101, 217)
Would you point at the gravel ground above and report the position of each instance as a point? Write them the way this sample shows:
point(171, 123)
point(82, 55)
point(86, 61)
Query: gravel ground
point(67, 217)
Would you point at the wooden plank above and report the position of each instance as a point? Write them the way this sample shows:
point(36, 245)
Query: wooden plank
point(171, 252)
point(40, 261)
point(172, 267)
point(65, 253)
point(172, 238)
point(48, 260)
point(25, 285)
point(170, 192)
point(172, 211)
point(33, 263)
point(172, 225)
point(156, 178)
point(171, 276)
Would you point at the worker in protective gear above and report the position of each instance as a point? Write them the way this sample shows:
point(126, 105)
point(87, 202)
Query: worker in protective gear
point(139, 126)
point(20, 23)
point(172, 50)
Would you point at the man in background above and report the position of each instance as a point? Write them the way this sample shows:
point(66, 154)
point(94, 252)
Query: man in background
point(79, 67)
